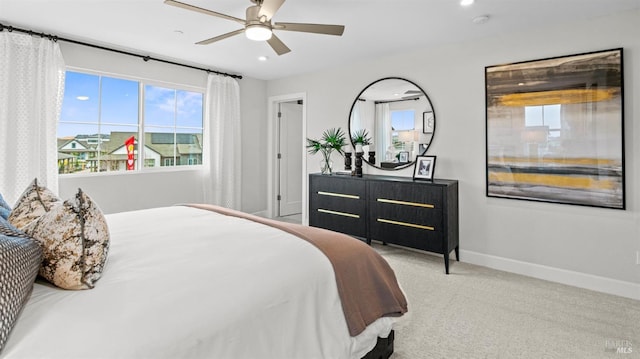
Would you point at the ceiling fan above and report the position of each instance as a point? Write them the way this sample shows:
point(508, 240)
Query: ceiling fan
point(257, 25)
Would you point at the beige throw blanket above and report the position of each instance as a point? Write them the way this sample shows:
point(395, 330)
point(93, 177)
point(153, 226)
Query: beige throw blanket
point(367, 285)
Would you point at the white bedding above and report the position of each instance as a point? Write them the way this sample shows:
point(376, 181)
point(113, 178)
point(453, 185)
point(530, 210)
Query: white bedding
point(181, 282)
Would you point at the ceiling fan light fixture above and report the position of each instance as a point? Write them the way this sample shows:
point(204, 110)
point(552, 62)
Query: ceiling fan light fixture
point(258, 32)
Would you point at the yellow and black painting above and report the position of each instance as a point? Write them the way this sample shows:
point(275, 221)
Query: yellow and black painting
point(555, 130)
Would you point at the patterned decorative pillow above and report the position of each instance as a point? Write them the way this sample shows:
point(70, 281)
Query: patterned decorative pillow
point(8, 230)
point(33, 203)
point(20, 258)
point(75, 241)
point(5, 209)
point(4, 222)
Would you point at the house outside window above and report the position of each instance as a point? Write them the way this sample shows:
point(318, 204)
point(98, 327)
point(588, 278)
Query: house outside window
point(103, 125)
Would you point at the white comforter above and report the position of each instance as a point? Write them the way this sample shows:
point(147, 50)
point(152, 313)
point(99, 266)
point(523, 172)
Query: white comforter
point(182, 282)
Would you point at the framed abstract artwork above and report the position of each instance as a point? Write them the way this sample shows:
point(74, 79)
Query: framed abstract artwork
point(428, 122)
point(554, 130)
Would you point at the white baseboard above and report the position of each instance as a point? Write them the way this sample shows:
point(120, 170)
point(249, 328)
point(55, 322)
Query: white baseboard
point(576, 279)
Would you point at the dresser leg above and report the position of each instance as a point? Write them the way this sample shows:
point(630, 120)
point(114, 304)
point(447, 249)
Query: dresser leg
point(457, 253)
point(446, 263)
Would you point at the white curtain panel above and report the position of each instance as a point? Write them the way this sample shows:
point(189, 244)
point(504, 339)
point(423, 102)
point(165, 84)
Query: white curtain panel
point(222, 182)
point(31, 89)
point(383, 128)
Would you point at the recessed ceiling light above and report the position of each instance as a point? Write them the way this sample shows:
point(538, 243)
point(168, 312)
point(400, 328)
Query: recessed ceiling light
point(466, 2)
point(262, 58)
point(82, 98)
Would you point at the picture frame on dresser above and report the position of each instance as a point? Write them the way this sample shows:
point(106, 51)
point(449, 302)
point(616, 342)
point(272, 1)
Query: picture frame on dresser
point(424, 168)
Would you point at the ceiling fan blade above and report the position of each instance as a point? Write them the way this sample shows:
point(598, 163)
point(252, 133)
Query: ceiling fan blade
point(277, 45)
point(221, 37)
point(203, 11)
point(314, 28)
point(269, 7)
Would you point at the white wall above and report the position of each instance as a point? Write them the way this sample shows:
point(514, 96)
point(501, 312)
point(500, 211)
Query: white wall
point(129, 191)
point(255, 126)
point(589, 247)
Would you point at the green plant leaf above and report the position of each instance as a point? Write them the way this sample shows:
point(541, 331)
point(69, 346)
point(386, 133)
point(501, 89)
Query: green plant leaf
point(332, 139)
point(361, 136)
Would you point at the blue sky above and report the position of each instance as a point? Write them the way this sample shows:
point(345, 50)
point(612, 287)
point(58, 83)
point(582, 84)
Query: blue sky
point(119, 106)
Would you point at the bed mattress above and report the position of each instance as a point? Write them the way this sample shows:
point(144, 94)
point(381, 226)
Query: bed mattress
point(182, 282)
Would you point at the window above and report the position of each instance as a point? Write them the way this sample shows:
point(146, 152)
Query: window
point(101, 129)
point(173, 122)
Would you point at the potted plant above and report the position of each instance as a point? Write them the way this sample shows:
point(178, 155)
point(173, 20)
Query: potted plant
point(332, 140)
point(360, 138)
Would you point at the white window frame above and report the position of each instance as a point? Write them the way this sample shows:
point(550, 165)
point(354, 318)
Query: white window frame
point(142, 81)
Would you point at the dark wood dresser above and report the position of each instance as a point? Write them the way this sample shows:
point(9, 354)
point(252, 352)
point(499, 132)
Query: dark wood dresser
point(398, 210)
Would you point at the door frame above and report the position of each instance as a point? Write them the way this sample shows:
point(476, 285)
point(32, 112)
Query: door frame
point(272, 164)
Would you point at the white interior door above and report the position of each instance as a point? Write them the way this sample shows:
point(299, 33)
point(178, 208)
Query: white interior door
point(289, 158)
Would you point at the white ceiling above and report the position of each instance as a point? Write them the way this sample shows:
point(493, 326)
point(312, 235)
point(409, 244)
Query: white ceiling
point(374, 28)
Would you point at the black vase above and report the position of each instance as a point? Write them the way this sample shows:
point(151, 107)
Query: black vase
point(358, 171)
point(372, 157)
point(347, 160)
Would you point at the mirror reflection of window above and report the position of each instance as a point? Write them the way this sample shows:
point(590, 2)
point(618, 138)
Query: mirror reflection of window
point(545, 115)
point(542, 131)
point(402, 128)
point(403, 120)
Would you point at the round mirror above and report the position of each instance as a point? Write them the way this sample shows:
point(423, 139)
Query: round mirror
point(393, 121)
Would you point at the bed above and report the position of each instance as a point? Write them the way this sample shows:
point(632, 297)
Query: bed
point(196, 281)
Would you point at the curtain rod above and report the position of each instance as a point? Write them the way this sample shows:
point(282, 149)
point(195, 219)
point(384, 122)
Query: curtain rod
point(404, 99)
point(143, 57)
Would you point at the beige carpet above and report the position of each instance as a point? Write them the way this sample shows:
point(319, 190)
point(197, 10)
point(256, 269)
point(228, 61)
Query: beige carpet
point(477, 312)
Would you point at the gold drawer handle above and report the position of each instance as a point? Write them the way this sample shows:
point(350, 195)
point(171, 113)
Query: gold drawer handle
point(415, 204)
point(406, 224)
point(338, 195)
point(338, 213)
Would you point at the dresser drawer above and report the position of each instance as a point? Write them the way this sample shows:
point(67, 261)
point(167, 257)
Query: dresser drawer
point(340, 204)
point(339, 220)
point(408, 214)
point(339, 187)
point(402, 235)
point(413, 193)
